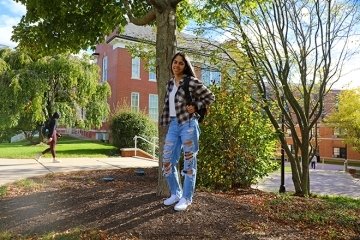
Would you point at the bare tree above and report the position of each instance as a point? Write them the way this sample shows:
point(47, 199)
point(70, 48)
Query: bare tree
point(297, 50)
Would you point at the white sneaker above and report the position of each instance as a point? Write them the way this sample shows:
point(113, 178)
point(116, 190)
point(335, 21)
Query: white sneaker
point(56, 161)
point(182, 204)
point(171, 200)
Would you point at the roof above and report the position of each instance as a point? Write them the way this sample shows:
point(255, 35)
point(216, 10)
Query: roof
point(4, 46)
point(147, 34)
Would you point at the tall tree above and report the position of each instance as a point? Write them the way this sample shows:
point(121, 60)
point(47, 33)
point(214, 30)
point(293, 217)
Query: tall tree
point(74, 25)
point(33, 90)
point(297, 50)
point(347, 117)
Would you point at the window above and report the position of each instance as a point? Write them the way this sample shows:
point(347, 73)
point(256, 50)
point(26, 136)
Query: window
point(152, 71)
point(343, 152)
point(210, 75)
point(288, 132)
point(135, 68)
point(312, 131)
point(291, 147)
point(339, 152)
point(102, 136)
point(82, 113)
point(232, 72)
point(153, 107)
point(205, 75)
point(104, 69)
point(135, 101)
point(317, 130)
point(336, 152)
point(215, 77)
point(336, 105)
point(338, 132)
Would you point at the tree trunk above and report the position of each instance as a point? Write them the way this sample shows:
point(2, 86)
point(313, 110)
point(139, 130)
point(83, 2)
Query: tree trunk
point(165, 50)
point(305, 164)
point(300, 168)
point(296, 173)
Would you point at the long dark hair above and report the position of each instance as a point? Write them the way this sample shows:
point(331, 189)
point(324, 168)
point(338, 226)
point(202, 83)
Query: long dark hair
point(188, 70)
point(56, 115)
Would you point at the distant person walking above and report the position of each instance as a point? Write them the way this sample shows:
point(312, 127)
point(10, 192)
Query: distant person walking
point(313, 162)
point(52, 137)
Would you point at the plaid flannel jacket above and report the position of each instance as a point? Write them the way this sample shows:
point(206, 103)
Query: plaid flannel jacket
point(200, 93)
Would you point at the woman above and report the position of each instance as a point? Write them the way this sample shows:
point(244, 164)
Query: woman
point(183, 131)
point(52, 135)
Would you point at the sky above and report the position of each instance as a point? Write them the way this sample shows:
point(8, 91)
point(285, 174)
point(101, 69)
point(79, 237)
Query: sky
point(11, 13)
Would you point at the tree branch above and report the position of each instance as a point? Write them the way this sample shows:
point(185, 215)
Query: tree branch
point(148, 18)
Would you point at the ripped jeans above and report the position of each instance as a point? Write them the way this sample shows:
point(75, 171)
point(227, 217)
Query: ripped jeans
point(179, 137)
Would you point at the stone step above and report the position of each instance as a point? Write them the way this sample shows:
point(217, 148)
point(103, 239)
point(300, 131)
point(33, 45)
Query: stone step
point(130, 152)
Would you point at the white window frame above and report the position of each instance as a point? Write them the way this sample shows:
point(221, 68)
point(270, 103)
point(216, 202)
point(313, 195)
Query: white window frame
point(102, 136)
point(133, 104)
point(152, 71)
point(336, 152)
point(291, 147)
point(154, 107)
point(207, 75)
point(104, 69)
point(135, 68)
point(288, 132)
point(83, 113)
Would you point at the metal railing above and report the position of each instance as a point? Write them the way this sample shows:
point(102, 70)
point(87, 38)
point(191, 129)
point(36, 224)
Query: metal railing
point(153, 143)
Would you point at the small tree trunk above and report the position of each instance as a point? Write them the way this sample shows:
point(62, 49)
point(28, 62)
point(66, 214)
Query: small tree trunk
point(296, 173)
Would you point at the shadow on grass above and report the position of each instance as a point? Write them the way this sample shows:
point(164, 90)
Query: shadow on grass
point(89, 152)
point(81, 141)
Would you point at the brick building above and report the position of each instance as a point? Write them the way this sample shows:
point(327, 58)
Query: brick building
point(329, 140)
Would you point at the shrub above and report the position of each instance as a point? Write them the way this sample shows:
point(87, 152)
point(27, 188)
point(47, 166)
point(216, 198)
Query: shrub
point(125, 124)
point(237, 142)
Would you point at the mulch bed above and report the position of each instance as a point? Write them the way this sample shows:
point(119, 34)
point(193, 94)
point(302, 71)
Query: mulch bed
point(128, 208)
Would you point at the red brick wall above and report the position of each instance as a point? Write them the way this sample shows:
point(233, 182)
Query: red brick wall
point(119, 78)
point(327, 141)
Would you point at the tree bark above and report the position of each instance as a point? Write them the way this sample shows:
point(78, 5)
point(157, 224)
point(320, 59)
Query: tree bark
point(165, 50)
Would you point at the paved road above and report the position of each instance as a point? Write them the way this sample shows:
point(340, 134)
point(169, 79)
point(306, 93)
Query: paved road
point(15, 169)
point(326, 179)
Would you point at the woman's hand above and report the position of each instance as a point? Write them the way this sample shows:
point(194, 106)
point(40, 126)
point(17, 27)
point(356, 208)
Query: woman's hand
point(191, 108)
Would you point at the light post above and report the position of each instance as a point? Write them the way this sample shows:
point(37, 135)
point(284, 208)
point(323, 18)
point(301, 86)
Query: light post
point(282, 183)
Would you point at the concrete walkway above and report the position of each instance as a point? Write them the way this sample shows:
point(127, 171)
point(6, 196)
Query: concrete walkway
point(15, 169)
point(324, 180)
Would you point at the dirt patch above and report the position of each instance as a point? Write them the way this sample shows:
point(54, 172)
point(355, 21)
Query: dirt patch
point(128, 208)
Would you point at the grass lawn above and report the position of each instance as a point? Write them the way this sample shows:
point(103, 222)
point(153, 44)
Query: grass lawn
point(354, 163)
point(67, 147)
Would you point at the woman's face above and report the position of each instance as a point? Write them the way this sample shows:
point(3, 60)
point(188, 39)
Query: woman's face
point(178, 65)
